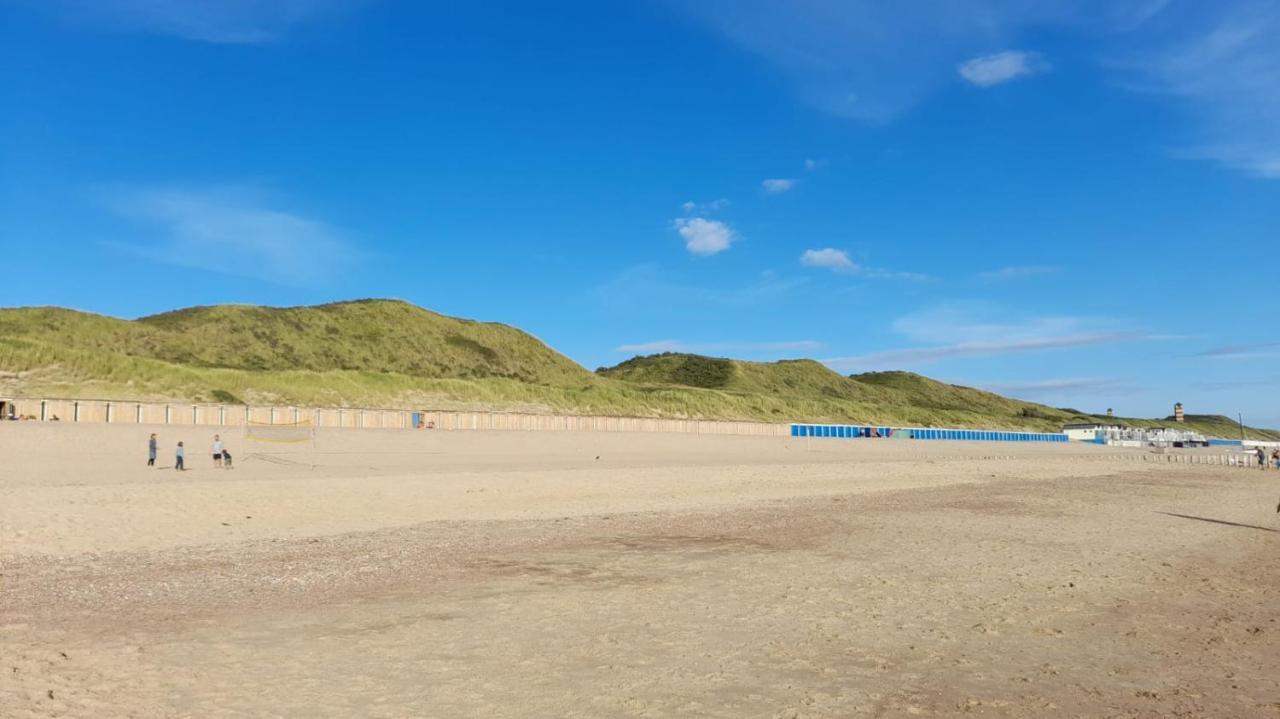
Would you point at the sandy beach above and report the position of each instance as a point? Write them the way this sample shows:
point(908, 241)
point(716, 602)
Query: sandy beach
point(396, 573)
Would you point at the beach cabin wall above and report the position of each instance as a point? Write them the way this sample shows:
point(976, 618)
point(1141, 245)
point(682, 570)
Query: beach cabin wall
point(221, 415)
point(849, 431)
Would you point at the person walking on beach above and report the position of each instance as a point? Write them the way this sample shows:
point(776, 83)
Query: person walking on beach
point(179, 454)
point(152, 449)
point(1262, 458)
point(217, 451)
point(1275, 459)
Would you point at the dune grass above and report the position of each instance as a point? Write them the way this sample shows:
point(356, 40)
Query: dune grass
point(375, 353)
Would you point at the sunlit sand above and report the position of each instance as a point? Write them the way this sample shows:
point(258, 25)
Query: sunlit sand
point(401, 573)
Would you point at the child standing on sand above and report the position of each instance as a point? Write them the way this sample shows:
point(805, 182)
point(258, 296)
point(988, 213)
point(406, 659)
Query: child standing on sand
point(152, 448)
point(217, 451)
point(178, 458)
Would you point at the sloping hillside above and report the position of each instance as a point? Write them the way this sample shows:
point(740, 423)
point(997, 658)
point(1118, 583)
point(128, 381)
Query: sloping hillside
point(380, 336)
point(391, 353)
point(889, 397)
point(799, 378)
point(903, 398)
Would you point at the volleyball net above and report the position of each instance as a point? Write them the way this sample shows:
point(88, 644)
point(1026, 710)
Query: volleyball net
point(291, 443)
point(277, 433)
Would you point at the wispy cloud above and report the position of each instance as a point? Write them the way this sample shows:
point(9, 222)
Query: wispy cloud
point(1223, 61)
point(1062, 385)
point(778, 185)
point(997, 69)
point(872, 61)
point(690, 207)
point(1241, 352)
point(973, 329)
point(703, 236)
point(709, 347)
point(222, 21)
point(925, 355)
point(811, 164)
point(232, 231)
point(879, 274)
point(964, 321)
point(1239, 384)
point(1018, 272)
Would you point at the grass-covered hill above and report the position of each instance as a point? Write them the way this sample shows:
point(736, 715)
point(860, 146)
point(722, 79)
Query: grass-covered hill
point(354, 353)
point(367, 335)
point(900, 398)
point(390, 353)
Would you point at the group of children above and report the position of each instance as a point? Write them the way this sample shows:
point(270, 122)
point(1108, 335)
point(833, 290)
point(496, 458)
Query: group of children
point(221, 456)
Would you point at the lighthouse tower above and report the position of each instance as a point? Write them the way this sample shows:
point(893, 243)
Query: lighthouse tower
point(1177, 413)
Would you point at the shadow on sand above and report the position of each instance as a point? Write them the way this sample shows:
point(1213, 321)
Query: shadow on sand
point(1219, 521)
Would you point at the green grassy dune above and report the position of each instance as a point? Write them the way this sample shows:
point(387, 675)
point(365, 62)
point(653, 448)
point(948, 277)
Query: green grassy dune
point(393, 354)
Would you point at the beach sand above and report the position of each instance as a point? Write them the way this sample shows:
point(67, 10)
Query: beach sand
point(430, 574)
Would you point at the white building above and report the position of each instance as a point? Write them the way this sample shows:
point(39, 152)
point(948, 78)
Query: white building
point(1133, 436)
point(1088, 432)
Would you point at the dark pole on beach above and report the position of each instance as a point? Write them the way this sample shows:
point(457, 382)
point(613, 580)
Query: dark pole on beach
point(1240, 419)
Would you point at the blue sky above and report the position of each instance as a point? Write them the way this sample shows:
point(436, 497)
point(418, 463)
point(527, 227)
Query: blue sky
point(1077, 203)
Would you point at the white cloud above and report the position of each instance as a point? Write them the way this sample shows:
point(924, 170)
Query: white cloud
point(778, 185)
point(231, 231)
point(222, 21)
point(811, 164)
point(830, 258)
point(1018, 272)
point(703, 236)
point(990, 70)
point(705, 347)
